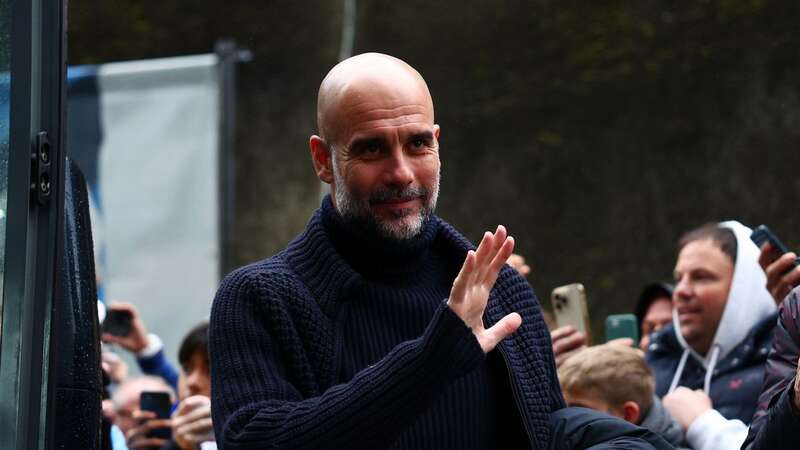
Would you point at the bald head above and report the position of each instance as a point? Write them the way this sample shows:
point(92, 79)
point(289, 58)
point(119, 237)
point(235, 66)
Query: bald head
point(361, 78)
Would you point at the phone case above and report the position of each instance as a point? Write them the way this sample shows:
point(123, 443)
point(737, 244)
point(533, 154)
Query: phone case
point(622, 326)
point(569, 308)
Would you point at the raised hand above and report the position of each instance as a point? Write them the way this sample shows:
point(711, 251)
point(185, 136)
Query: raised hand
point(782, 275)
point(137, 437)
point(471, 288)
point(138, 337)
point(191, 422)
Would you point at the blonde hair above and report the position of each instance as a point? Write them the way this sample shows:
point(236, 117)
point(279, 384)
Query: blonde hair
point(613, 373)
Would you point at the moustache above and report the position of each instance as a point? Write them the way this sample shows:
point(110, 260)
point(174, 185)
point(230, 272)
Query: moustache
point(408, 193)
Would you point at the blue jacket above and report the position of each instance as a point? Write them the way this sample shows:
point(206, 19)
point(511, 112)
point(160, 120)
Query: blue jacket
point(582, 428)
point(737, 378)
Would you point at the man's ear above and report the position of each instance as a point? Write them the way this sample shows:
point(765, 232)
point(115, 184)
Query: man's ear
point(321, 157)
point(437, 130)
point(631, 412)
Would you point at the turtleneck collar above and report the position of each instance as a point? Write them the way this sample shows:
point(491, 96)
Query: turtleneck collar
point(374, 256)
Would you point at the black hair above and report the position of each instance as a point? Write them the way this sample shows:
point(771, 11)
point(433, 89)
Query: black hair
point(723, 237)
point(649, 295)
point(195, 341)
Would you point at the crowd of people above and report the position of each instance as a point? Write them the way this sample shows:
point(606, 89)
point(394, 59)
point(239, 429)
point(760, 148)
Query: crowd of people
point(128, 424)
point(381, 326)
point(719, 347)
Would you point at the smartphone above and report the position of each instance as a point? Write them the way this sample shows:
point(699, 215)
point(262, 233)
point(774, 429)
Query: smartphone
point(118, 322)
point(159, 403)
point(762, 234)
point(569, 308)
point(622, 326)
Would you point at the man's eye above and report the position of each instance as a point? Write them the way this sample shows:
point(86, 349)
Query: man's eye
point(369, 148)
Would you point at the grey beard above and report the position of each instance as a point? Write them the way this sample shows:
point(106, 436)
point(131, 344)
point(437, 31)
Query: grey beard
point(408, 224)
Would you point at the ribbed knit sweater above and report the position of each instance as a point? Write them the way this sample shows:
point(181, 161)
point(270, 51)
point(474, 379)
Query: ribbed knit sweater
point(343, 340)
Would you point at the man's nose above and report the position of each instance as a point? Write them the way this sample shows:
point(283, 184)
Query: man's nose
point(683, 289)
point(398, 170)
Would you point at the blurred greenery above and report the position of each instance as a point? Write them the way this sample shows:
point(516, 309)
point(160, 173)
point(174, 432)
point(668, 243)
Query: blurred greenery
point(597, 131)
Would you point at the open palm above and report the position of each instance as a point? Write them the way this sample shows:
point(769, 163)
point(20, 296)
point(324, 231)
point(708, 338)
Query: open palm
point(474, 282)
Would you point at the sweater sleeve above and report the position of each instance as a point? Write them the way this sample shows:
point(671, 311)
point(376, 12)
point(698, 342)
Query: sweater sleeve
point(711, 431)
point(256, 406)
point(158, 365)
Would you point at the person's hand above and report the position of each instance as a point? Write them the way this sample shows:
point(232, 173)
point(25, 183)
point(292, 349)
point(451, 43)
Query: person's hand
point(566, 342)
point(622, 342)
point(518, 263)
point(686, 405)
point(781, 275)
point(136, 437)
point(114, 366)
point(138, 338)
point(471, 288)
point(191, 422)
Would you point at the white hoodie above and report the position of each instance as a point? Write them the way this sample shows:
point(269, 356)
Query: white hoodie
point(748, 303)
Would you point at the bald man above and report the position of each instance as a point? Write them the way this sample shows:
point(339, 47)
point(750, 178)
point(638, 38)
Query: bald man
point(380, 326)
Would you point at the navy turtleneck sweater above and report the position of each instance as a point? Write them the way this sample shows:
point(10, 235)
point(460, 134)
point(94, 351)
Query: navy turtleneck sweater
point(343, 340)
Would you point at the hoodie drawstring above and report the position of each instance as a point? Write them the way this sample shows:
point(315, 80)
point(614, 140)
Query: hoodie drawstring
point(712, 362)
point(679, 370)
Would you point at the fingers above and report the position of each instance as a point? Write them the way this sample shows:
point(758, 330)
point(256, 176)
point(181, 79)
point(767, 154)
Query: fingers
point(110, 338)
point(458, 292)
point(560, 332)
point(195, 427)
point(568, 342)
point(503, 252)
point(192, 415)
point(124, 306)
point(482, 264)
point(504, 328)
point(518, 263)
point(622, 342)
point(767, 256)
point(561, 357)
point(146, 443)
point(782, 276)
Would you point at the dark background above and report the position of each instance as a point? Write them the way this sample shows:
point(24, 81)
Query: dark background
point(597, 131)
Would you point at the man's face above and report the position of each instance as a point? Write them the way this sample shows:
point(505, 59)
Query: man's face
point(385, 158)
point(195, 377)
point(658, 315)
point(703, 276)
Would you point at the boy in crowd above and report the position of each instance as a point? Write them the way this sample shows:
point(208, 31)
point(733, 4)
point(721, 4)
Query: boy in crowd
point(191, 422)
point(616, 380)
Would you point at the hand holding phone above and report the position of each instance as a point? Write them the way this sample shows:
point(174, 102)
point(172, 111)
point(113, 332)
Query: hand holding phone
point(118, 322)
point(124, 327)
point(160, 404)
point(781, 266)
point(762, 234)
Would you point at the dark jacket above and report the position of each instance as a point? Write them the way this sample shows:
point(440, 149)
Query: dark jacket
point(659, 421)
point(582, 428)
point(775, 424)
point(736, 379)
point(275, 342)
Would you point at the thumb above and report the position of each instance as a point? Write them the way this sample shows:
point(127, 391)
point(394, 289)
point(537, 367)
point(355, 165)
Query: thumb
point(504, 328)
